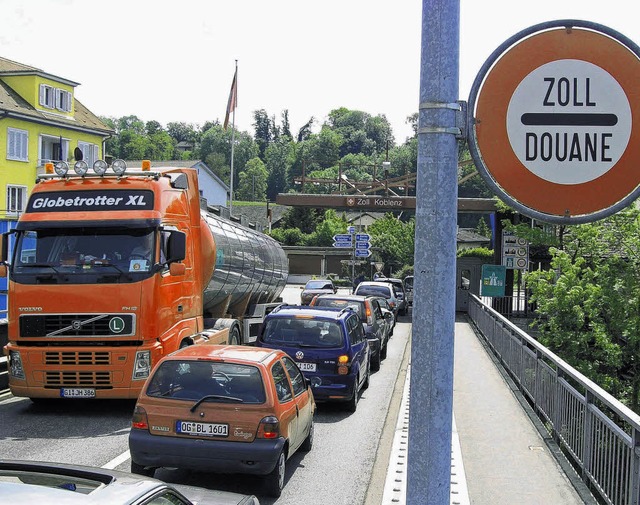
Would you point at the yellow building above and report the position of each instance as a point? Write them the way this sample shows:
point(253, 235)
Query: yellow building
point(40, 121)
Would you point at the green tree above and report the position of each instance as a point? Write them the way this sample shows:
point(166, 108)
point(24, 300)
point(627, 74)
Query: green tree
point(361, 132)
point(331, 225)
point(393, 240)
point(217, 141)
point(252, 183)
point(588, 304)
point(161, 146)
point(304, 218)
point(181, 131)
point(279, 159)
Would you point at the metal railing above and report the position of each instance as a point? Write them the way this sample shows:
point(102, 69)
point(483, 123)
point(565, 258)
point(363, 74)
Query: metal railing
point(598, 434)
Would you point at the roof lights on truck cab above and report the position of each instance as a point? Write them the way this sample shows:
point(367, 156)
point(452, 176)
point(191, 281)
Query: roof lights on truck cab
point(61, 168)
point(100, 167)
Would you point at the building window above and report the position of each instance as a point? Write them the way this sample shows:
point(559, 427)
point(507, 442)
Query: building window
point(17, 144)
point(52, 149)
point(47, 96)
point(89, 152)
point(16, 198)
point(63, 100)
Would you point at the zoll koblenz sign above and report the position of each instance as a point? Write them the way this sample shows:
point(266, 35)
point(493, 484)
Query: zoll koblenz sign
point(552, 115)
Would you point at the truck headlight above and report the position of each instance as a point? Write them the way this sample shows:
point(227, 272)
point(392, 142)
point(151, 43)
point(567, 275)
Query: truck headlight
point(142, 365)
point(15, 365)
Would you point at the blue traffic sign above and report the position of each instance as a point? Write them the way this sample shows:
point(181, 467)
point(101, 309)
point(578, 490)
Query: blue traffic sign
point(351, 229)
point(362, 236)
point(362, 253)
point(362, 245)
point(342, 238)
point(342, 244)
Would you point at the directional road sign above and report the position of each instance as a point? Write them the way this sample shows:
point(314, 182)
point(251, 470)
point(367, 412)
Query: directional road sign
point(362, 253)
point(344, 245)
point(342, 238)
point(363, 237)
point(362, 245)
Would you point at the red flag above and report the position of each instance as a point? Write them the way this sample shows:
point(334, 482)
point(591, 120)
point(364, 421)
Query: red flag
point(233, 98)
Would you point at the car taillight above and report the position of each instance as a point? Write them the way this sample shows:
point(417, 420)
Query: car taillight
point(343, 365)
point(367, 312)
point(139, 420)
point(269, 428)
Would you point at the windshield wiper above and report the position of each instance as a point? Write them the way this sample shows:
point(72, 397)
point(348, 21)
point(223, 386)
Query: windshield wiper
point(40, 265)
point(109, 265)
point(216, 397)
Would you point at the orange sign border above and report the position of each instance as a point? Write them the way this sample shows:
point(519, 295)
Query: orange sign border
point(502, 164)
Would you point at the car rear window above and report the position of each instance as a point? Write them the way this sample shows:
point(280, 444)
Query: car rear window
point(318, 285)
point(373, 291)
point(193, 380)
point(298, 332)
point(356, 306)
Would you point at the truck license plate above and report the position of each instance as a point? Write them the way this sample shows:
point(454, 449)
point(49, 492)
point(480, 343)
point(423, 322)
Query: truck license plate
point(77, 393)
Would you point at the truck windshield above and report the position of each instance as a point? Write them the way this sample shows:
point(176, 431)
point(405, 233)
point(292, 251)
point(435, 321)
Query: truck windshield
point(74, 253)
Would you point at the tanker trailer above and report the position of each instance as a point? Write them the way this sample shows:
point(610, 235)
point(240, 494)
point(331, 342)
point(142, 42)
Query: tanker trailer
point(248, 277)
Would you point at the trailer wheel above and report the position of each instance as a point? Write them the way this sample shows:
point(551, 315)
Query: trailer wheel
point(234, 336)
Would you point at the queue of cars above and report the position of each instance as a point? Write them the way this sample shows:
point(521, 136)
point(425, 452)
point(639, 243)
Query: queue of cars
point(232, 409)
point(239, 409)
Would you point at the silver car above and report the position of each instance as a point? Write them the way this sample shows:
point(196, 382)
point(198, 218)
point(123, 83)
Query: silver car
point(31, 482)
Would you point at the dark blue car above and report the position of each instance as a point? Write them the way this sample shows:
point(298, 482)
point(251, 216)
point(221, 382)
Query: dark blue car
point(328, 345)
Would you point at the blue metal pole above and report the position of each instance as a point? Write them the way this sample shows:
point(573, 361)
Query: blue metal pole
point(431, 393)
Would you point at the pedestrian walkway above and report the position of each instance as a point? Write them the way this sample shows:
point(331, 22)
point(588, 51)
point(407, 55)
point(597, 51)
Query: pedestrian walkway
point(498, 454)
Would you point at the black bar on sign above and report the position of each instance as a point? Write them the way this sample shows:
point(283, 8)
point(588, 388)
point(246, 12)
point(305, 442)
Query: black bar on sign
point(568, 119)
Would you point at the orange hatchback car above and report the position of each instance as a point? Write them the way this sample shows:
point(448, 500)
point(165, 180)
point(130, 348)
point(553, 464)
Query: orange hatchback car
point(225, 409)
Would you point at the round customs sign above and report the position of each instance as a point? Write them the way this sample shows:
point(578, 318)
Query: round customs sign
point(552, 113)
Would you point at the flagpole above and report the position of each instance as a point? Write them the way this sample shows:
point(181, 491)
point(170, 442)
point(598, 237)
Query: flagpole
point(233, 138)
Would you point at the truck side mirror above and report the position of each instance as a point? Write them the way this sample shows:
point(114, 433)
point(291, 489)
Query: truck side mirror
point(4, 249)
point(176, 246)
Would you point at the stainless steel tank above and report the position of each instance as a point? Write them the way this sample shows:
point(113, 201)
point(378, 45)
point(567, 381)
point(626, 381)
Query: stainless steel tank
point(247, 262)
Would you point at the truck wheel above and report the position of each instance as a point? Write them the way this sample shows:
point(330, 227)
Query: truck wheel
point(234, 336)
point(274, 482)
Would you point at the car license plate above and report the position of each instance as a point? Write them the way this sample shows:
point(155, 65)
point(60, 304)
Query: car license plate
point(77, 393)
point(307, 367)
point(203, 429)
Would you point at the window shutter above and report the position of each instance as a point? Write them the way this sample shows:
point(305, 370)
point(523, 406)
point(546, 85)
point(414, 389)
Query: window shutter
point(23, 145)
point(96, 153)
point(43, 93)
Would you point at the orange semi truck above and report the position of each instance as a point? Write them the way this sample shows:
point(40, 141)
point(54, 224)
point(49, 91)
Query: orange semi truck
point(112, 270)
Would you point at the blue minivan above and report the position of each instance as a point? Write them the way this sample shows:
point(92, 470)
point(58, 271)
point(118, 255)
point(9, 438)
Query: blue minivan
point(328, 345)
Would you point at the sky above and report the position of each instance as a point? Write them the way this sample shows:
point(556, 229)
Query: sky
point(171, 61)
